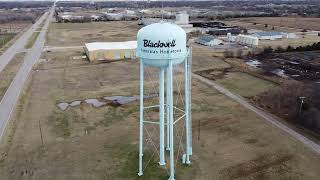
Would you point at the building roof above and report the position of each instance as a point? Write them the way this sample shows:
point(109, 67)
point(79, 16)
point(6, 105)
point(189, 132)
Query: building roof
point(270, 33)
point(111, 45)
point(206, 38)
point(248, 36)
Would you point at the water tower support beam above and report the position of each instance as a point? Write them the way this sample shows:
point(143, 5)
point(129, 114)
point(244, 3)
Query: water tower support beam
point(171, 120)
point(168, 110)
point(190, 99)
point(187, 110)
point(161, 115)
point(141, 119)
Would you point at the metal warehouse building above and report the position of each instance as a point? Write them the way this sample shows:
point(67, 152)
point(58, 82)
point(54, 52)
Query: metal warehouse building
point(269, 35)
point(208, 41)
point(110, 50)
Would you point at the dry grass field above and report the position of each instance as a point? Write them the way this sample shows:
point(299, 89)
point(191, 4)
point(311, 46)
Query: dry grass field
point(284, 43)
point(206, 59)
point(5, 38)
point(207, 62)
point(14, 27)
point(7, 75)
point(290, 22)
point(76, 34)
point(244, 84)
point(251, 25)
point(13, 31)
point(85, 142)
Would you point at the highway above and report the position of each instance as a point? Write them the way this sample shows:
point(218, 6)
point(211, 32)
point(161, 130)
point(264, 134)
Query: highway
point(11, 97)
point(19, 44)
point(265, 115)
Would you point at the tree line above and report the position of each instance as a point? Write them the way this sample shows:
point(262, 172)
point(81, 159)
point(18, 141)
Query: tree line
point(279, 49)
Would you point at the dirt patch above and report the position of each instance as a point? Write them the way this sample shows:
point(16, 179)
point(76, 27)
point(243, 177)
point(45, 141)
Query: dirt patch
point(211, 123)
point(214, 74)
point(257, 168)
point(251, 141)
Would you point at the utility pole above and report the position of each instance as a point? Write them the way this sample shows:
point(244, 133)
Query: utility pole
point(301, 104)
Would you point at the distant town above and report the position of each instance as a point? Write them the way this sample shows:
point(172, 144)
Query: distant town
point(70, 94)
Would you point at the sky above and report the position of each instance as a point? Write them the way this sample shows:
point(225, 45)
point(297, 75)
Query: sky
point(124, 0)
point(140, 0)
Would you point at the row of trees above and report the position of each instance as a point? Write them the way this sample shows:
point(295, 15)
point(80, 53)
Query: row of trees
point(296, 101)
point(269, 50)
point(8, 17)
point(25, 4)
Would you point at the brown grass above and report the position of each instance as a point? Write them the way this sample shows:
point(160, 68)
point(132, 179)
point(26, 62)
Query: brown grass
point(259, 167)
point(7, 75)
point(32, 40)
point(291, 22)
point(75, 34)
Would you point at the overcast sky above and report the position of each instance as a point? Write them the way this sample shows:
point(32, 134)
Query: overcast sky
point(145, 0)
point(127, 0)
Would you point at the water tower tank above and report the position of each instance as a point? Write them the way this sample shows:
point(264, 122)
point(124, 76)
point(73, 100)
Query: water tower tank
point(160, 43)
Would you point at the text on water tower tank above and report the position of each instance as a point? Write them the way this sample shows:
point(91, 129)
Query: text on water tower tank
point(148, 43)
point(159, 44)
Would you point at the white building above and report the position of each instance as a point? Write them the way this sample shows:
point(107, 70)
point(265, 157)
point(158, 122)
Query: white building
point(145, 11)
point(290, 35)
point(231, 38)
point(110, 50)
point(114, 16)
point(182, 18)
point(130, 12)
point(272, 35)
point(247, 40)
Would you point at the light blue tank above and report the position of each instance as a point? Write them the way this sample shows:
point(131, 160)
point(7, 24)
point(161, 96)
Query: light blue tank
point(160, 43)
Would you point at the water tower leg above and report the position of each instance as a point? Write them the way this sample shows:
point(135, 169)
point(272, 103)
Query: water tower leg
point(141, 119)
point(187, 110)
point(171, 121)
point(168, 111)
point(161, 115)
point(190, 99)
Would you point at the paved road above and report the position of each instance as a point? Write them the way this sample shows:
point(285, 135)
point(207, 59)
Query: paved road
point(267, 116)
point(9, 100)
point(62, 48)
point(19, 44)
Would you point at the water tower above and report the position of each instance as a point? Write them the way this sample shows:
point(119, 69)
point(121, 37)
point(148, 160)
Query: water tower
point(163, 46)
